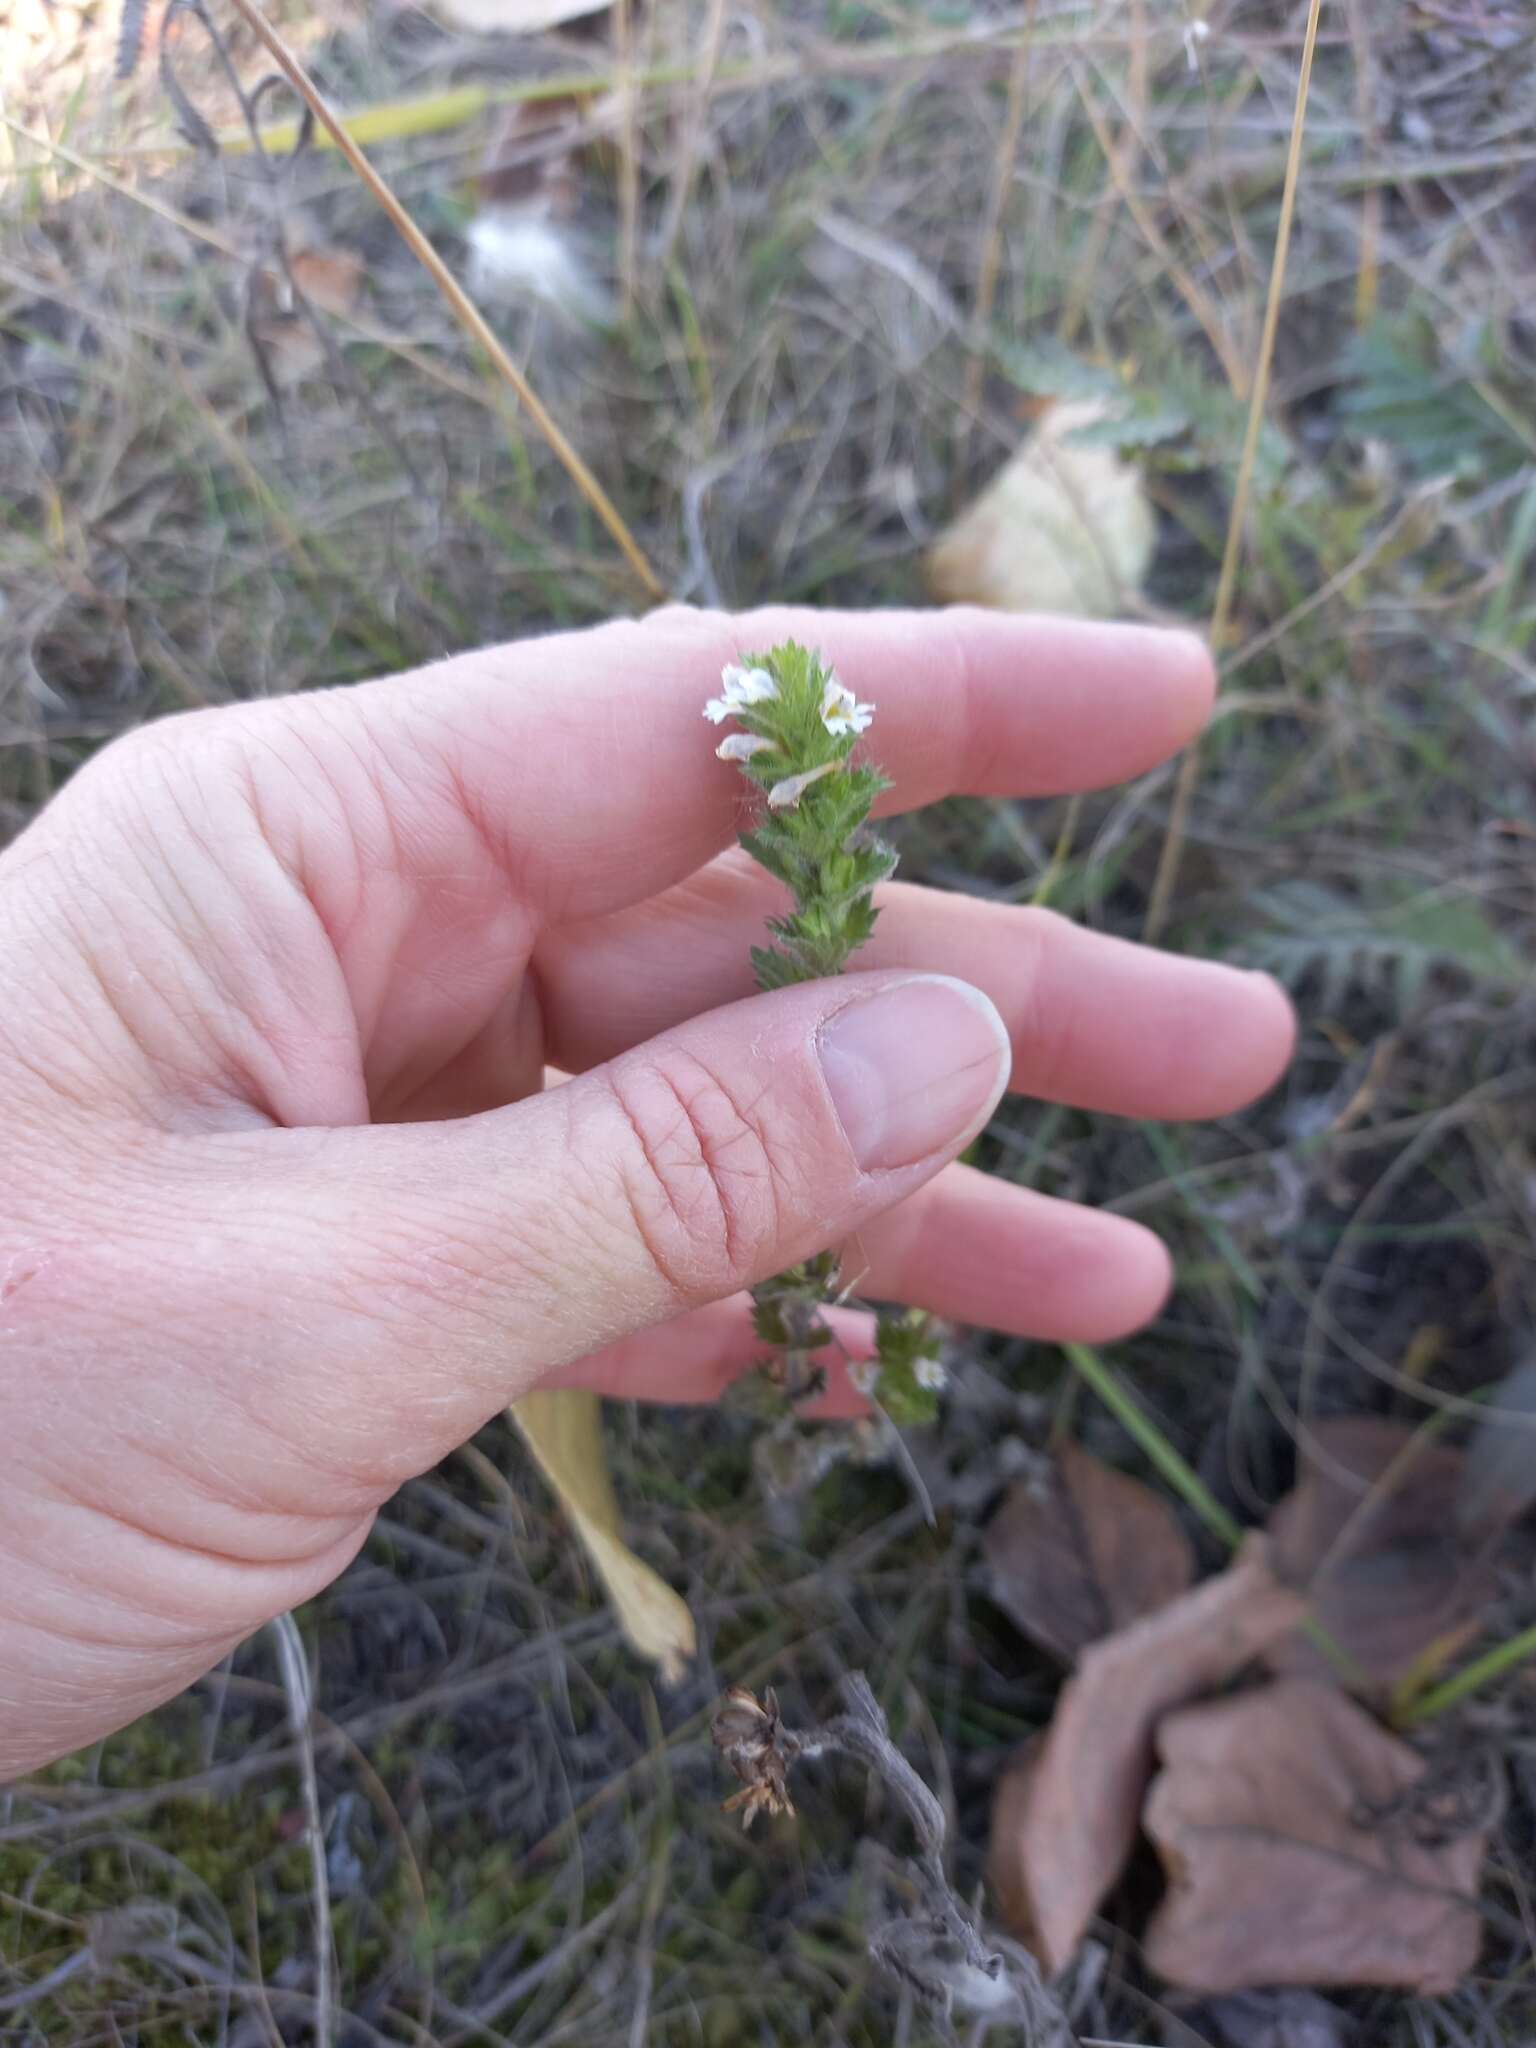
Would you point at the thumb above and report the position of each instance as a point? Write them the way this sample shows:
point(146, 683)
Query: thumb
point(456, 1263)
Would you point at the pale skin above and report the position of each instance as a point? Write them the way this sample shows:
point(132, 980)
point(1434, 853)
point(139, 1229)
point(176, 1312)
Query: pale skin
point(284, 1213)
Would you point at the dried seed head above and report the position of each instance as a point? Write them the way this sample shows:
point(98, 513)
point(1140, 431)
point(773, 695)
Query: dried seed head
point(744, 1719)
point(748, 1733)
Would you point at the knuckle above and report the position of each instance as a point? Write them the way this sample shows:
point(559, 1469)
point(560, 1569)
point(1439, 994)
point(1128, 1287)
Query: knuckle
point(673, 613)
point(1044, 1006)
point(702, 1183)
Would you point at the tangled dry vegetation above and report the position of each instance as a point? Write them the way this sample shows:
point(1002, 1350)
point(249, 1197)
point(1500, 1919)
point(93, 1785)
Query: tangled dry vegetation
point(837, 259)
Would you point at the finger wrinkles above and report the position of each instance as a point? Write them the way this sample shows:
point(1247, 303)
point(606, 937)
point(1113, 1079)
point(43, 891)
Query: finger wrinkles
point(699, 1173)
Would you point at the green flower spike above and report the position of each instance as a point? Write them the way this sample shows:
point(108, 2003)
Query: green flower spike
point(798, 725)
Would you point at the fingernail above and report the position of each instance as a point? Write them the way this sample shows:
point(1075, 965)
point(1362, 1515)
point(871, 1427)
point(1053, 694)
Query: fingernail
point(915, 1069)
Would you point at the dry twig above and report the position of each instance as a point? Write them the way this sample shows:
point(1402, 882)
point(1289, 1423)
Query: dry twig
point(937, 1950)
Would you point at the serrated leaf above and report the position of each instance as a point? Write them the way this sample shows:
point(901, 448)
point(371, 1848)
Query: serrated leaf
point(1455, 928)
point(1135, 427)
point(774, 970)
point(1398, 943)
point(767, 852)
point(1406, 388)
point(1051, 371)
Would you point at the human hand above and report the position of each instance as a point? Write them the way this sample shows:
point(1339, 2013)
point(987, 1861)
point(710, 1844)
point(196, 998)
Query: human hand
point(283, 1214)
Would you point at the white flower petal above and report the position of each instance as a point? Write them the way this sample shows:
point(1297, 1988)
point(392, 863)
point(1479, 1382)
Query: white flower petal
point(740, 687)
point(841, 712)
point(747, 685)
point(929, 1373)
point(864, 1374)
point(741, 746)
point(786, 794)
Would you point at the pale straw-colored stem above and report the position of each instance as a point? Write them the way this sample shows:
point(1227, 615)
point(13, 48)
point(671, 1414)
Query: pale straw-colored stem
point(1169, 861)
point(463, 308)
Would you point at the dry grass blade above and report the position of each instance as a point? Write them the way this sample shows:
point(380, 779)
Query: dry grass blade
point(989, 267)
point(464, 309)
point(629, 156)
point(1200, 303)
point(1166, 879)
point(691, 131)
point(296, 1686)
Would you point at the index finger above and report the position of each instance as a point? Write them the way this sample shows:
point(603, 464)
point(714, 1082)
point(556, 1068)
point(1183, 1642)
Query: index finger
point(586, 754)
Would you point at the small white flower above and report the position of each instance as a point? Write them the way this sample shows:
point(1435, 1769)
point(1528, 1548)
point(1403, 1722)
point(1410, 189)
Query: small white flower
point(740, 687)
point(841, 711)
point(864, 1376)
point(741, 746)
point(786, 794)
point(930, 1374)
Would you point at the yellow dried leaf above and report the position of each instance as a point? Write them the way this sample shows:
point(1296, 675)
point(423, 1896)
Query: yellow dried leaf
point(562, 1427)
point(1060, 528)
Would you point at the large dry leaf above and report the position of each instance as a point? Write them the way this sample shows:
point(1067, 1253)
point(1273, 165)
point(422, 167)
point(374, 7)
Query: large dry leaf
point(1060, 528)
point(1066, 1817)
point(1371, 1532)
point(1284, 1823)
point(562, 1426)
point(1499, 1478)
point(1082, 1551)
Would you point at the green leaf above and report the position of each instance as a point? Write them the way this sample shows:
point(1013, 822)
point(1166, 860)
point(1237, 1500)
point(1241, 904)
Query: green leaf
point(1408, 388)
point(1149, 420)
point(1050, 371)
point(1396, 941)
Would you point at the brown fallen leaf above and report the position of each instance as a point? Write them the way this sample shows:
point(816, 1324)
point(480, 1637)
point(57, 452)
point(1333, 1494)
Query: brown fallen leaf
point(1371, 1532)
point(1060, 528)
point(1499, 1476)
point(1083, 1550)
point(531, 157)
point(1065, 1818)
point(1293, 1857)
point(331, 279)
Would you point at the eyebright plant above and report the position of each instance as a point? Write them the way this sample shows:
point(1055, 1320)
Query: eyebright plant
point(797, 726)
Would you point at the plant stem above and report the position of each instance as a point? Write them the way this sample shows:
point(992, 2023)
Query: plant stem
point(1471, 1678)
point(1184, 1480)
point(1166, 879)
point(463, 308)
